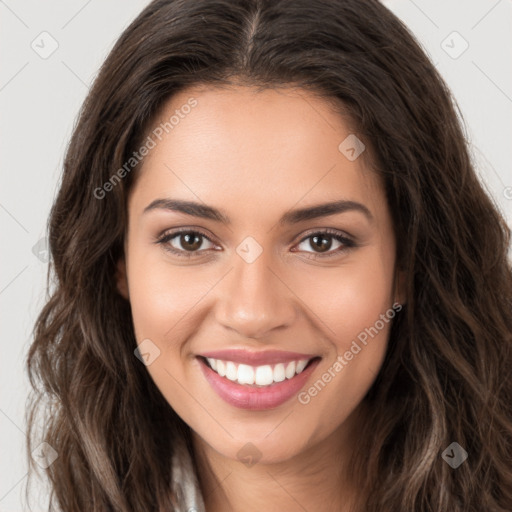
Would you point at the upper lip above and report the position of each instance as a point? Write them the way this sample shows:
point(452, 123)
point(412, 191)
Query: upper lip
point(256, 358)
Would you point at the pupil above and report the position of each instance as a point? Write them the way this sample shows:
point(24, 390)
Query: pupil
point(194, 244)
point(325, 243)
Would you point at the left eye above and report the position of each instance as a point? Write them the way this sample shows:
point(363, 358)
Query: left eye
point(322, 242)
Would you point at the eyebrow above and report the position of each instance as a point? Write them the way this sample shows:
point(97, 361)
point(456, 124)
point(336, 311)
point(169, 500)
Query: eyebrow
point(290, 217)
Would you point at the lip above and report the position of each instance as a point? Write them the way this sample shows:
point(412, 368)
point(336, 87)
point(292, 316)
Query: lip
point(259, 358)
point(256, 398)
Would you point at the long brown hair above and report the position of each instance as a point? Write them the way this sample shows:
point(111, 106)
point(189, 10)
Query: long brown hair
point(447, 373)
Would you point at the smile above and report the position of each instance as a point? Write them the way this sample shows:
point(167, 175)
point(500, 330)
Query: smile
point(257, 375)
point(257, 387)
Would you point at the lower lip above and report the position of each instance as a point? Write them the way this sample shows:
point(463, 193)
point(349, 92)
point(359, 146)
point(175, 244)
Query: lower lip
point(248, 397)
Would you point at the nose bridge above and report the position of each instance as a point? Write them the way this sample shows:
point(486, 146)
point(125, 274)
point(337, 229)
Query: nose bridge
point(254, 301)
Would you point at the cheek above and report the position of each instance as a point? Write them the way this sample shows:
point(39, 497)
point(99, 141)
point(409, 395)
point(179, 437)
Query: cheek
point(349, 299)
point(165, 301)
point(358, 313)
point(161, 296)
point(364, 297)
point(353, 307)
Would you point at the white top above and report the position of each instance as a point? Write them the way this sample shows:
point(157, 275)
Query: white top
point(185, 484)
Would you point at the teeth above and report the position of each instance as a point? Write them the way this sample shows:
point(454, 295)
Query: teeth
point(245, 374)
point(290, 370)
point(279, 374)
point(221, 367)
point(301, 365)
point(231, 371)
point(264, 375)
point(257, 375)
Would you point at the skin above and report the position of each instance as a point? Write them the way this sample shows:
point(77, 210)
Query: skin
point(256, 155)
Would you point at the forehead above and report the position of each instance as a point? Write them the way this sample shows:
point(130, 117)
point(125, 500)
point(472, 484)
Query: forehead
point(282, 122)
point(264, 147)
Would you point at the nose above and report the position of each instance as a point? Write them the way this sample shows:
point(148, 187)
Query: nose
point(254, 300)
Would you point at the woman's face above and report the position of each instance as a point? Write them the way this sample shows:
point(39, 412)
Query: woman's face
point(254, 281)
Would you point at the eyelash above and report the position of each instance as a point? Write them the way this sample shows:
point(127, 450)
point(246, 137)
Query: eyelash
point(347, 242)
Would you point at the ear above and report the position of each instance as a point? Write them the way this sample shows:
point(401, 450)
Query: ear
point(121, 279)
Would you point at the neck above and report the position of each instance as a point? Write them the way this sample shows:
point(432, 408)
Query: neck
point(316, 479)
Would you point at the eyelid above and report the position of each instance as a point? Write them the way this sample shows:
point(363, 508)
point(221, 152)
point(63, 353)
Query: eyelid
point(326, 231)
point(170, 234)
point(345, 239)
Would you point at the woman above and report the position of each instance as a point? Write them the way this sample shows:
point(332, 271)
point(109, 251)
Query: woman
point(279, 284)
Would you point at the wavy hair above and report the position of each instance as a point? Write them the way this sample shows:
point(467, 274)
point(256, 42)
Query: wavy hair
point(447, 374)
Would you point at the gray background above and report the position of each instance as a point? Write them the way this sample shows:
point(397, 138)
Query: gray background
point(41, 92)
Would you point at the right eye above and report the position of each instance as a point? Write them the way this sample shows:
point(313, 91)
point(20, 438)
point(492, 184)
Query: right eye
point(190, 241)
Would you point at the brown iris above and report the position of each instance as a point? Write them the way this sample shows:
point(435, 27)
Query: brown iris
point(190, 241)
point(321, 242)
